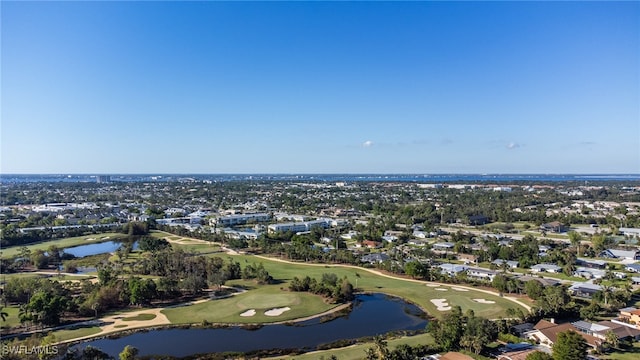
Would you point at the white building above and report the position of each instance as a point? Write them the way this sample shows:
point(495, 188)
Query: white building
point(299, 226)
point(241, 219)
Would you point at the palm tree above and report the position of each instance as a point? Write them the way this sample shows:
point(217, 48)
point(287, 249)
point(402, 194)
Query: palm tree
point(575, 238)
point(3, 314)
point(611, 338)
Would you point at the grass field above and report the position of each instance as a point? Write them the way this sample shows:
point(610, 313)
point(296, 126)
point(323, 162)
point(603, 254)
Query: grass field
point(12, 318)
point(140, 317)
point(415, 292)
point(67, 334)
point(260, 299)
point(358, 351)
point(63, 243)
point(629, 354)
point(228, 310)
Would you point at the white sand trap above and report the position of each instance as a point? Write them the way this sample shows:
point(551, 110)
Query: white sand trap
point(89, 239)
point(440, 289)
point(433, 285)
point(483, 301)
point(441, 304)
point(459, 289)
point(276, 311)
point(248, 313)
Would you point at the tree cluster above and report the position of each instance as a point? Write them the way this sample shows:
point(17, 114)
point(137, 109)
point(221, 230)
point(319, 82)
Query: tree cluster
point(328, 286)
point(457, 331)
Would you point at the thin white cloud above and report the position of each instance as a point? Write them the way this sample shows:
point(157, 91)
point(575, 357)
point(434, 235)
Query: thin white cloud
point(367, 143)
point(513, 145)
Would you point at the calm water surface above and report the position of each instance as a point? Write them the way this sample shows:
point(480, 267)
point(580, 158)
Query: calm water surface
point(371, 315)
point(95, 249)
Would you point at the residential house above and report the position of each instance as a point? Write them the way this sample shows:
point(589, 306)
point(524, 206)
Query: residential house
point(452, 269)
point(419, 234)
point(544, 282)
point(546, 333)
point(375, 258)
point(467, 258)
point(589, 263)
point(481, 274)
point(630, 231)
point(633, 268)
point(510, 263)
point(443, 246)
point(630, 315)
point(555, 226)
point(601, 328)
point(589, 273)
point(520, 329)
point(417, 242)
point(620, 254)
point(390, 238)
point(371, 244)
point(350, 235)
point(478, 220)
point(584, 290)
point(542, 250)
point(550, 268)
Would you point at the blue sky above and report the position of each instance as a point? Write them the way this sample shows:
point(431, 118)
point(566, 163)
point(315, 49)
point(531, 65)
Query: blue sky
point(328, 87)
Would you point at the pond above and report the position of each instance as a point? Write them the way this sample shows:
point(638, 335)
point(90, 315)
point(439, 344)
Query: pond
point(371, 315)
point(95, 249)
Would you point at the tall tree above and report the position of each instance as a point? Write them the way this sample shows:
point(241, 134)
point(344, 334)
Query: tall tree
point(611, 339)
point(575, 238)
point(539, 355)
point(128, 353)
point(569, 346)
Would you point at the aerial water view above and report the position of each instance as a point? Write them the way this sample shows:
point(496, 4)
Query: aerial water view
point(344, 180)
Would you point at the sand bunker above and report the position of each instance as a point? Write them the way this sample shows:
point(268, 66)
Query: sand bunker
point(459, 289)
point(89, 239)
point(248, 313)
point(441, 304)
point(483, 301)
point(433, 285)
point(276, 311)
point(440, 289)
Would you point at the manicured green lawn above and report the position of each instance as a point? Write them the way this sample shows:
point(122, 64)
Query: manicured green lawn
point(628, 354)
point(63, 243)
point(62, 335)
point(140, 317)
point(260, 299)
point(12, 318)
point(415, 292)
point(357, 352)
point(198, 248)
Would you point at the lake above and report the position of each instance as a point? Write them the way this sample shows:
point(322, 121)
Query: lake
point(371, 315)
point(95, 249)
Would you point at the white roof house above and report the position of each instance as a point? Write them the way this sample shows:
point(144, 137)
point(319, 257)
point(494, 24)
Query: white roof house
point(630, 231)
point(551, 268)
point(621, 254)
point(452, 269)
